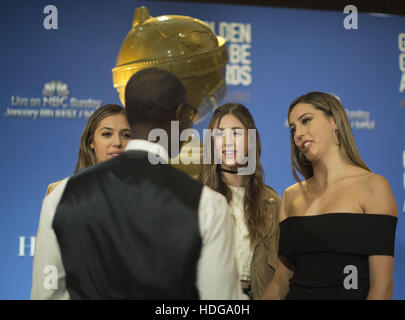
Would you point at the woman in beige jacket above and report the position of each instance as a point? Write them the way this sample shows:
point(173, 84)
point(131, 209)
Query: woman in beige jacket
point(253, 205)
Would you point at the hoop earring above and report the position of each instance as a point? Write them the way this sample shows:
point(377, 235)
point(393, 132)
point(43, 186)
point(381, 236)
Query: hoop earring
point(335, 137)
point(304, 160)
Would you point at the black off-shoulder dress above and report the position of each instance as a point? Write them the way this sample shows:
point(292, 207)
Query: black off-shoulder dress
point(330, 252)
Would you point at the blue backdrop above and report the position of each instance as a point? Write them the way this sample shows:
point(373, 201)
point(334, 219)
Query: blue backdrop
point(275, 56)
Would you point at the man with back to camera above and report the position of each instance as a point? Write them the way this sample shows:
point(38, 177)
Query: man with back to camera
point(128, 229)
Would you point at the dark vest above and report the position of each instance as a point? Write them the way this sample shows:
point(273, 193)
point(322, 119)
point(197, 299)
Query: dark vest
point(128, 229)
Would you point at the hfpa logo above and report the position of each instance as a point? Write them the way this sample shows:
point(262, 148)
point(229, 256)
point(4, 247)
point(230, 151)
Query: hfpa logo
point(55, 88)
point(26, 246)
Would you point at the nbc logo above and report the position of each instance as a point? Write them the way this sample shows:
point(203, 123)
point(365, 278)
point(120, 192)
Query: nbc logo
point(55, 88)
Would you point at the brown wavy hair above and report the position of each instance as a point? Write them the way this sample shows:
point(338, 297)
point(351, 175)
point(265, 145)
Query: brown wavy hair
point(210, 175)
point(87, 156)
point(331, 107)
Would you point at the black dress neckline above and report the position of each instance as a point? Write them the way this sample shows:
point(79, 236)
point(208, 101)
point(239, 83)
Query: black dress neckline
point(340, 213)
point(321, 246)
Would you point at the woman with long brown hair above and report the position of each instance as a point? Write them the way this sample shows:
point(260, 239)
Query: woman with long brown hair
point(253, 205)
point(337, 226)
point(105, 136)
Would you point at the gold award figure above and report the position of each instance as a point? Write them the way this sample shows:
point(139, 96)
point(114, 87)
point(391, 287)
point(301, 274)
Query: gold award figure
point(185, 46)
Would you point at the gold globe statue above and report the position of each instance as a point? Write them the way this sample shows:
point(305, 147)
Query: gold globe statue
point(185, 46)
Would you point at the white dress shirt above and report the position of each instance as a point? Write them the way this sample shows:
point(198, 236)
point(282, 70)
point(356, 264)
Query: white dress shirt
point(217, 273)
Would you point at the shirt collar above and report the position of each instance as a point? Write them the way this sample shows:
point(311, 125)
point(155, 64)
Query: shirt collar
point(147, 146)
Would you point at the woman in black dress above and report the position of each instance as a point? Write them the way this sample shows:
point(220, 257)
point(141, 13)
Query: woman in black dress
point(337, 226)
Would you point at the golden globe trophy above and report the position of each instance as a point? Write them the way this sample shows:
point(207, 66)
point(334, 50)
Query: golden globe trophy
point(185, 46)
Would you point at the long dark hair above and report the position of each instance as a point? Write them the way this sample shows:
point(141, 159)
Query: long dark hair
point(210, 175)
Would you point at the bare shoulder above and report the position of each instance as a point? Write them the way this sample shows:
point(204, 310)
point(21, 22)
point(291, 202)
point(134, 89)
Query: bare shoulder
point(289, 196)
point(295, 191)
point(379, 198)
point(376, 181)
point(296, 188)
